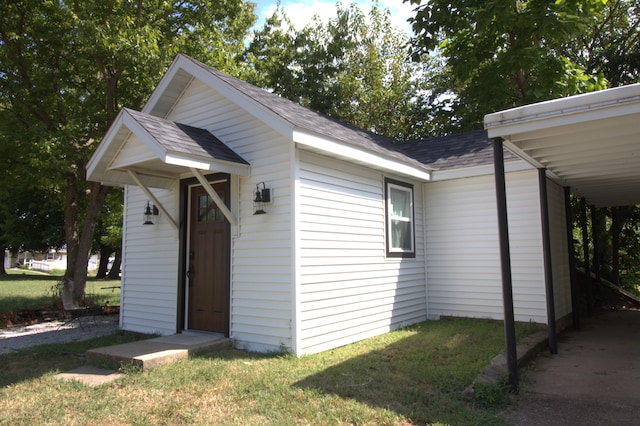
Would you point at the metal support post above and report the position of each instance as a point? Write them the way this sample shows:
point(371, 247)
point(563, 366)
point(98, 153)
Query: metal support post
point(505, 263)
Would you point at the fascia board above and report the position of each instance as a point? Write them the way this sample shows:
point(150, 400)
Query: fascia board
point(358, 155)
point(243, 101)
point(162, 85)
point(144, 136)
point(565, 111)
point(246, 103)
point(208, 164)
point(98, 155)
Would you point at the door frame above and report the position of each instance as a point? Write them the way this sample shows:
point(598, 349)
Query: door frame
point(185, 185)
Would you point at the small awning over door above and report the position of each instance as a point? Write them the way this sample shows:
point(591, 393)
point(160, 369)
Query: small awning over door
point(140, 148)
point(588, 142)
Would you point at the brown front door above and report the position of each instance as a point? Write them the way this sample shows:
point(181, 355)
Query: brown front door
point(208, 261)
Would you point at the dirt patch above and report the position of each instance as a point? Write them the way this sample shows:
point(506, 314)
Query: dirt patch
point(26, 317)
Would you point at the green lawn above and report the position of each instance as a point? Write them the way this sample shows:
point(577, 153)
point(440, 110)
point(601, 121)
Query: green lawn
point(413, 376)
point(22, 289)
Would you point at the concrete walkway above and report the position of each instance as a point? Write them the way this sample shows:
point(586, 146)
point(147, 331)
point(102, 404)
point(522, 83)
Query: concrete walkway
point(593, 380)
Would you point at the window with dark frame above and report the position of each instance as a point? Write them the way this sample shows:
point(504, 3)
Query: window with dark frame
point(400, 227)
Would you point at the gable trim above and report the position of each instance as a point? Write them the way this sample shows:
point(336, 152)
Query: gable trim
point(243, 101)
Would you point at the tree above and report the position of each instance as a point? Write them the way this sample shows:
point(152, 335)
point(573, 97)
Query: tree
point(30, 219)
point(66, 69)
point(611, 45)
point(31, 210)
point(501, 54)
point(617, 232)
point(108, 238)
point(354, 67)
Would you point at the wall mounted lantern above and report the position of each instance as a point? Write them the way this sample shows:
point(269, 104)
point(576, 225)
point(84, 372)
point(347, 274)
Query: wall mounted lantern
point(149, 211)
point(263, 195)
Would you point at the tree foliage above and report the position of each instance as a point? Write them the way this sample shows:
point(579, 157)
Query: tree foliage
point(353, 67)
point(617, 233)
point(66, 69)
point(501, 54)
point(108, 238)
point(611, 44)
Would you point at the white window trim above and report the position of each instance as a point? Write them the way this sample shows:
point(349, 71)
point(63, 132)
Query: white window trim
point(397, 252)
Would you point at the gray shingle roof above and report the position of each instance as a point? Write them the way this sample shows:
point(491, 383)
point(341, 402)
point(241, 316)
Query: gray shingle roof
point(460, 150)
point(439, 153)
point(304, 118)
point(184, 139)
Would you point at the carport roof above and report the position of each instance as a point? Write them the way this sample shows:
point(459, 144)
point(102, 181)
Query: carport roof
point(590, 142)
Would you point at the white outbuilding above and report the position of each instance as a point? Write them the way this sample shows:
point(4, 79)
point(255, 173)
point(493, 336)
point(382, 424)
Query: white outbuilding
point(251, 216)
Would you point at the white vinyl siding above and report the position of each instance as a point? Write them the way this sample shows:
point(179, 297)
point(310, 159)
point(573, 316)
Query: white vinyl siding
point(463, 255)
point(133, 152)
point(313, 273)
point(348, 289)
point(149, 269)
point(261, 252)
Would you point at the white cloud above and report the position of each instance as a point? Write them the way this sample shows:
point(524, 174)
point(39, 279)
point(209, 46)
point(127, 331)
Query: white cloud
point(301, 11)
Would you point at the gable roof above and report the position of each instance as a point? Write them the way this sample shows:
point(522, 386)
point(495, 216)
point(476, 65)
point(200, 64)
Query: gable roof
point(158, 150)
point(185, 139)
point(172, 148)
point(303, 126)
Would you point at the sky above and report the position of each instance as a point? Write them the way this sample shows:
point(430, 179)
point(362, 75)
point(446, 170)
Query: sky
point(301, 11)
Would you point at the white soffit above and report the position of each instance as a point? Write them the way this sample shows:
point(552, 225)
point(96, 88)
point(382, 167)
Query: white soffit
point(590, 142)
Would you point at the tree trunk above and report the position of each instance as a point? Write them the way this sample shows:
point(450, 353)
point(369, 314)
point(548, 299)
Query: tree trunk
point(601, 239)
point(2, 270)
point(616, 229)
point(104, 261)
point(114, 273)
point(79, 244)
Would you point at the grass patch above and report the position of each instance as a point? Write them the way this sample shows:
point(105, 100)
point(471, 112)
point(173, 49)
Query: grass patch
point(410, 376)
point(25, 291)
point(42, 362)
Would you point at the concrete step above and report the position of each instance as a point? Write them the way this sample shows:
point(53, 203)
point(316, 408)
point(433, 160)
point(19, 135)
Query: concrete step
point(155, 352)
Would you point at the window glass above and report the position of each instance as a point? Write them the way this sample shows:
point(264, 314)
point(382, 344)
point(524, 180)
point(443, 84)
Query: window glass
point(207, 210)
point(400, 226)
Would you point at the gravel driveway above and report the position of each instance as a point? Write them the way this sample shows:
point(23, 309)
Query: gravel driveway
point(53, 332)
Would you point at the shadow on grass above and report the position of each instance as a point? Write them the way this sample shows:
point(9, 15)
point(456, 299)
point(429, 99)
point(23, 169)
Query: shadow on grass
point(37, 361)
point(420, 377)
point(18, 303)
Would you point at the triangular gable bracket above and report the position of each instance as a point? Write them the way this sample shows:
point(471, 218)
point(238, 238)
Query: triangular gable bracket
point(216, 198)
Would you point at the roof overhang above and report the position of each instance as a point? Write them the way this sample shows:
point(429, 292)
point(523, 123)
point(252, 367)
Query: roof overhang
point(158, 152)
point(319, 134)
point(589, 142)
point(391, 162)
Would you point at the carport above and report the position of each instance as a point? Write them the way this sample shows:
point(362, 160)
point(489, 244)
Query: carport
point(590, 145)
